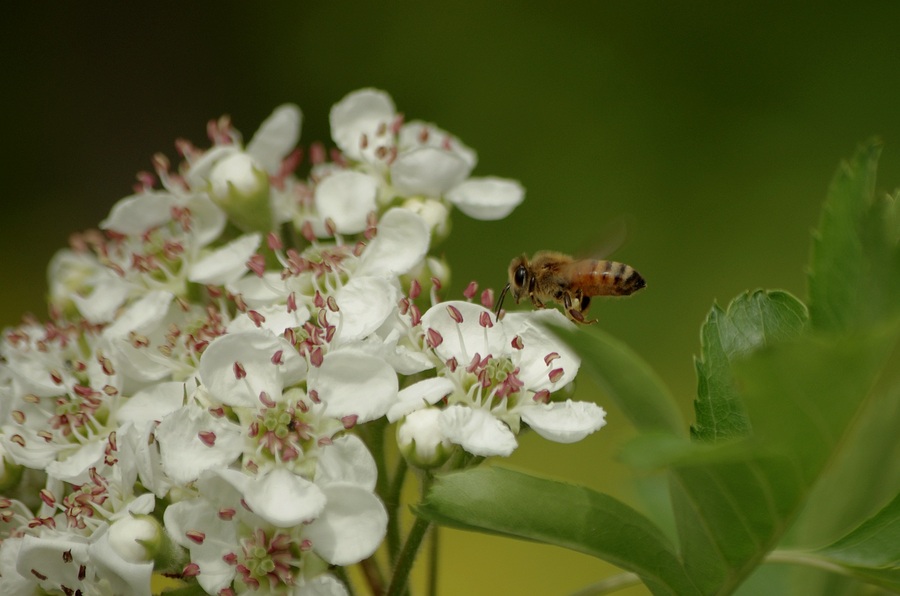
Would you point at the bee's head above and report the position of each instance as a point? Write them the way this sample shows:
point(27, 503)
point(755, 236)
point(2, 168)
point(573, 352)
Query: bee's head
point(518, 277)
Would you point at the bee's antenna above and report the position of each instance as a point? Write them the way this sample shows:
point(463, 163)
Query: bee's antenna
point(500, 301)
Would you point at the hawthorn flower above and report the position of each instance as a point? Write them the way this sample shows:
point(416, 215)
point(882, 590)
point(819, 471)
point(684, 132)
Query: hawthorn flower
point(223, 343)
point(416, 160)
point(277, 532)
point(494, 375)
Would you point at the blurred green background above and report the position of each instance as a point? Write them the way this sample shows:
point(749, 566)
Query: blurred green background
point(713, 128)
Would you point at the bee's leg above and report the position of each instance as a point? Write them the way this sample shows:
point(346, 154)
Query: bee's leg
point(584, 305)
point(572, 311)
point(536, 303)
point(577, 308)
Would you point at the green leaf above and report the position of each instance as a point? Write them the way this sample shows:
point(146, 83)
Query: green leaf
point(800, 398)
point(752, 321)
point(513, 504)
point(626, 378)
point(868, 461)
point(854, 273)
point(874, 544)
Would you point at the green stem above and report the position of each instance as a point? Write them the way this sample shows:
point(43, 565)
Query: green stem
point(392, 504)
point(609, 585)
point(433, 561)
point(809, 559)
point(408, 557)
point(341, 574)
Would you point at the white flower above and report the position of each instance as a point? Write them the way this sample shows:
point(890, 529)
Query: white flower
point(495, 375)
point(415, 160)
point(360, 123)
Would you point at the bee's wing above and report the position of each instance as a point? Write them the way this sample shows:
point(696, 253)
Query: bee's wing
point(609, 238)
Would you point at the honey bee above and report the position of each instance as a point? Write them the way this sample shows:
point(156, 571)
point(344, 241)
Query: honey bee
point(570, 282)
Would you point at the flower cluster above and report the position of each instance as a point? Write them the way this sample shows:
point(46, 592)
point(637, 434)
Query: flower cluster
point(193, 406)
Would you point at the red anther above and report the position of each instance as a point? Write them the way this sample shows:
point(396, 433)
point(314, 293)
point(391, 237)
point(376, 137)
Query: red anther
point(555, 374)
point(239, 371)
point(487, 299)
point(470, 290)
point(265, 400)
point(433, 338)
point(415, 289)
point(256, 317)
point(454, 313)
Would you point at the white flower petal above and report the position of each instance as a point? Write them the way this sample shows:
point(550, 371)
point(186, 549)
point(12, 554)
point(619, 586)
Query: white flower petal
point(142, 316)
point(350, 382)
point(253, 351)
point(428, 171)
point(226, 264)
point(538, 344)
point(321, 585)
point(138, 213)
point(477, 431)
point(261, 291)
point(276, 137)
point(351, 527)
point(364, 302)
point(487, 198)
point(221, 536)
point(284, 499)
point(276, 319)
point(207, 219)
point(74, 468)
point(400, 244)
point(463, 340)
point(361, 113)
point(347, 459)
point(564, 422)
point(346, 198)
point(183, 455)
point(415, 133)
point(46, 556)
point(104, 301)
point(151, 404)
point(418, 395)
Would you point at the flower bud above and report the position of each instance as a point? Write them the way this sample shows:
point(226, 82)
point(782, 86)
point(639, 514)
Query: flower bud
point(435, 213)
point(137, 538)
point(421, 441)
point(241, 188)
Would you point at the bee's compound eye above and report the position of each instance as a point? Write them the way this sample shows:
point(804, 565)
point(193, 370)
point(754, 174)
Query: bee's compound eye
point(520, 274)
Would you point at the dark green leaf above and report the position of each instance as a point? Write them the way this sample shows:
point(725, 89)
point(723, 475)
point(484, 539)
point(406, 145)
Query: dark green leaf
point(752, 321)
point(514, 504)
point(626, 378)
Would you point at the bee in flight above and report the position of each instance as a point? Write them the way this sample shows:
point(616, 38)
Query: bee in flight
point(570, 282)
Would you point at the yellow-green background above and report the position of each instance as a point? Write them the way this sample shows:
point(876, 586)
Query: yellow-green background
point(712, 127)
